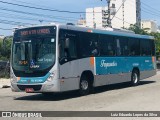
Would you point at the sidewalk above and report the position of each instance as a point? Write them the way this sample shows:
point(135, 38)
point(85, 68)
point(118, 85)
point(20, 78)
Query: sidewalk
point(4, 83)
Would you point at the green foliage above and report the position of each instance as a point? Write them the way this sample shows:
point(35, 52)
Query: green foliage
point(157, 41)
point(138, 30)
point(5, 50)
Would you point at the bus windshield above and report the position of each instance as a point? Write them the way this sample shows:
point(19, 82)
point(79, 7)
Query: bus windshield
point(31, 55)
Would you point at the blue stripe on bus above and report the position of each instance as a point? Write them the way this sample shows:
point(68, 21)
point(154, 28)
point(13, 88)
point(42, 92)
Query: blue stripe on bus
point(115, 65)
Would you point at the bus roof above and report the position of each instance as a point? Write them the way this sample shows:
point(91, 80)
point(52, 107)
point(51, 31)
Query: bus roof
point(91, 30)
point(108, 32)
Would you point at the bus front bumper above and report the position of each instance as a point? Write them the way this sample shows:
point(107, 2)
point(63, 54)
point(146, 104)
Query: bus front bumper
point(35, 88)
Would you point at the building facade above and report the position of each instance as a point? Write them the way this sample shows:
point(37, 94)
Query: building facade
point(81, 22)
point(2, 36)
point(149, 26)
point(123, 14)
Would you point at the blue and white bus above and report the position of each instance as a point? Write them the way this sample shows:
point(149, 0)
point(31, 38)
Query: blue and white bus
point(58, 58)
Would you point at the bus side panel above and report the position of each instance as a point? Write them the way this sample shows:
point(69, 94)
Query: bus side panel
point(148, 68)
point(71, 71)
point(112, 79)
point(147, 74)
point(111, 70)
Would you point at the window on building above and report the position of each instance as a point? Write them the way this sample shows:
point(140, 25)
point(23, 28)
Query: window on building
point(113, 6)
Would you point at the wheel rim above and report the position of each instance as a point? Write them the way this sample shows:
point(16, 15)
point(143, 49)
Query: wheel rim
point(135, 78)
point(84, 85)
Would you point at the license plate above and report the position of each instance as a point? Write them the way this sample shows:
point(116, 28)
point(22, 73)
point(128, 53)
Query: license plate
point(29, 90)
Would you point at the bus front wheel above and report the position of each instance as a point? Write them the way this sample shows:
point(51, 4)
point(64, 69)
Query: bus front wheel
point(135, 78)
point(85, 85)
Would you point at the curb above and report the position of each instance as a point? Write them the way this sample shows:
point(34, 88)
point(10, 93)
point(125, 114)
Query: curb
point(4, 83)
point(4, 86)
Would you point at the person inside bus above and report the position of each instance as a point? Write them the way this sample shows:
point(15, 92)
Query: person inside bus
point(110, 50)
point(95, 51)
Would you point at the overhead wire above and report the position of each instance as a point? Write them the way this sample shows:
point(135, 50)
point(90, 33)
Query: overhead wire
point(12, 16)
point(40, 8)
point(44, 9)
point(18, 1)
point(148, 9)
point(38, 15)
point(152, 8)
point(5, 29)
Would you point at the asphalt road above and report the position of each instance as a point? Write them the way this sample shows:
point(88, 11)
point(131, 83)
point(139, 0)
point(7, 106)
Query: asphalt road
point(120, 97)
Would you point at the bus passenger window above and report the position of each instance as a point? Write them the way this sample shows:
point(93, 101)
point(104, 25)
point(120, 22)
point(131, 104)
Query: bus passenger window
point(134, 46)
point(108, 45)
point(146, 49)
point(110, 50)
point(123, 47)
point(118, 47)
point(88, 45)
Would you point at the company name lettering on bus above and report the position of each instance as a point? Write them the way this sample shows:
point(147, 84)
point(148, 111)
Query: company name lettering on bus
point(106, 65)
point(31, 81)
point(45, 60)
point(34, 66)
point(35, 32)
point(135, 64)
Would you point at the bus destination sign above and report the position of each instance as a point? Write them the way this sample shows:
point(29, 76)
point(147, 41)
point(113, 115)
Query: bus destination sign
point(35, 32)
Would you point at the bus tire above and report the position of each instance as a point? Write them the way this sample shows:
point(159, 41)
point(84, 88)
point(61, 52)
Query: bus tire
point(84, 86)
point(135, 78)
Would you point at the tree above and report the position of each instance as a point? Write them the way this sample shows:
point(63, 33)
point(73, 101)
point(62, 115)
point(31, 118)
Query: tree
point(138, 30)
point(5, 51)
point(157, 41)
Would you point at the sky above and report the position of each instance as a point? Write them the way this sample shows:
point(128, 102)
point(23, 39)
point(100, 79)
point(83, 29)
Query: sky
point(11, 15)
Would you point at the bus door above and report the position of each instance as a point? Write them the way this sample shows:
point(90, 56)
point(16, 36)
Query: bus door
point(69, 64)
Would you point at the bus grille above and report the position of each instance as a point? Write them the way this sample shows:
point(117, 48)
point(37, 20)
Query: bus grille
point(35, 87)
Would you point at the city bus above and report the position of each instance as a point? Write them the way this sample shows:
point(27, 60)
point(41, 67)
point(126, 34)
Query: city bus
point(57, 58)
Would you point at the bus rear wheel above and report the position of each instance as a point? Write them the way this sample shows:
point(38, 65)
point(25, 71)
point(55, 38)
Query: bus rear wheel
point(135, 78)
point(85, 86)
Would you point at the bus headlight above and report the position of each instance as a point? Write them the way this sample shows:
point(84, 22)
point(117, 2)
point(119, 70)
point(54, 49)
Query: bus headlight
point(13, 78)
point(51, 77)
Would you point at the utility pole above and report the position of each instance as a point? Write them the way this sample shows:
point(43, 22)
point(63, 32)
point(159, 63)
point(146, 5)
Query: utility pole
point(94, 23)
point(123, 11)
point(109, 14)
